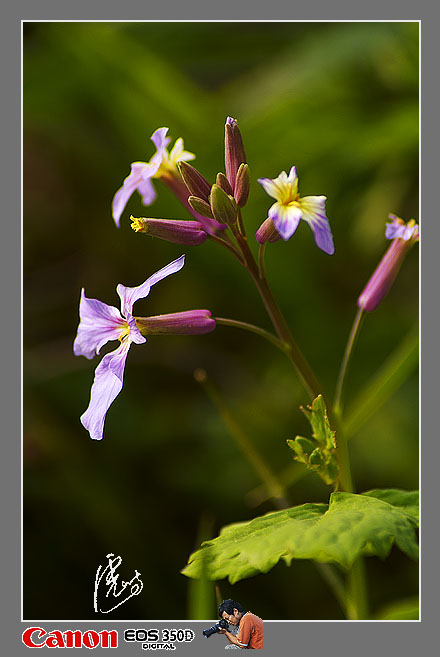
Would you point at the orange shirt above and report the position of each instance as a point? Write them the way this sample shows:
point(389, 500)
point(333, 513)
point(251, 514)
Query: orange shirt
point(250, 632)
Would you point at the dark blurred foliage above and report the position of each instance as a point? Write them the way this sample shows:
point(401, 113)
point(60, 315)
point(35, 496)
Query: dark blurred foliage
point(338, 100)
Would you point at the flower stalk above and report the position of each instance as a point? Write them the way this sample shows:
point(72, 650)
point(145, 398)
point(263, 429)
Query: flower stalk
point(292, 350)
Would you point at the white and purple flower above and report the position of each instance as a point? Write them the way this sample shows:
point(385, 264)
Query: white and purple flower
point(100, 323)
point(290, 208)
point(162, 164)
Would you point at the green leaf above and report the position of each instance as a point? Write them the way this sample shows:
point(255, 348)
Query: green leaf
point(406, 500)
point(349, 526)
point(317, 454)
point(317, 416)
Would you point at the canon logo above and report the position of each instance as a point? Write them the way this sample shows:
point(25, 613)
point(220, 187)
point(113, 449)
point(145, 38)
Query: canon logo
point(37, 637)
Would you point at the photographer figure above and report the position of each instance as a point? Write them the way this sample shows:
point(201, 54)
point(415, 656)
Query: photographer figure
point(250, 626)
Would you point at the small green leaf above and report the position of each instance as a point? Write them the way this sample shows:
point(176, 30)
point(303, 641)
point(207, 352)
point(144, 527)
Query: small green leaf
point(305, 443)
point(317, 416)
point(350, 526)
point(316, 457)
point(317, 454)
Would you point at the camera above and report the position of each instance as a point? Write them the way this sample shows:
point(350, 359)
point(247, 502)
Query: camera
point(221, 625)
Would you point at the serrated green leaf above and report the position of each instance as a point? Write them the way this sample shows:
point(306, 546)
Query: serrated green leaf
point(350, 526)
point(299, 452)
point(406, 500)
point(317, 416)
point(317, 454)
point(306, 444)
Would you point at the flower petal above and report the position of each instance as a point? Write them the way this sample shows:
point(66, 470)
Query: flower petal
point(270, 186)
point(313, 212)
point(99, 323)
point(129, 295)
point(140, 172)
point(161, 141)
point(398, 228)
point(147, 191)
point(284, 188)
point(177, 153)
point(107, 385)
point(292, 178)
point(285, 218)
point(135, 335)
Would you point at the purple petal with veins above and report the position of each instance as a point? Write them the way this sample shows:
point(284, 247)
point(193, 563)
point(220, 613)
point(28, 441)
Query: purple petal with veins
point(323, 237)
point(107, 385)
point(160, 140)
point(99, 323)
point(138, 179)
point(129, 295)
point(286, 220)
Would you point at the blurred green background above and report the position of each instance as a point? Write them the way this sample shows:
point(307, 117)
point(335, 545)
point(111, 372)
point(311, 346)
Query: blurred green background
point(338, 100)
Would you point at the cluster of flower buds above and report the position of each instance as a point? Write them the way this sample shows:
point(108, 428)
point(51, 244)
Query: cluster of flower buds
point(215, 207)
point(404, 236)
point(230, 192)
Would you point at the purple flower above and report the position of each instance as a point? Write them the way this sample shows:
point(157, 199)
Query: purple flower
point(290, 208)
point(398, 228)
point(403, 236)
point(162, 164)
point(100, 323)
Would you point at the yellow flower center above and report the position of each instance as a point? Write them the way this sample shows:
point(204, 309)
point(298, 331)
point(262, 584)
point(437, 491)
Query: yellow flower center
point(124, 333)
point(138, 224)
point(292, 202)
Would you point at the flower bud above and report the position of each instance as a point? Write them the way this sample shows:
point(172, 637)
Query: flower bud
point(403, 236)
point(195, 182)
point(178, 231)
point(189, 322)
point(223, 182)
point(200, 206)
point(178, 187)
point(234, 150)
point(267, 232)
point(242, 185)
point(223, 206)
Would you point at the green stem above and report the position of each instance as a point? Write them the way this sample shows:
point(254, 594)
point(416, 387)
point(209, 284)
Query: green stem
point(229, 245)
point(336, 585)
point(393, 373)
point(337, 405)
point(253, 329)
point(274, 486)
point(357, 604)
point(293, 473)
point(261, 264)
point(275, 489)
point(293, 352)
point(240, 224)
point(356, 596)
